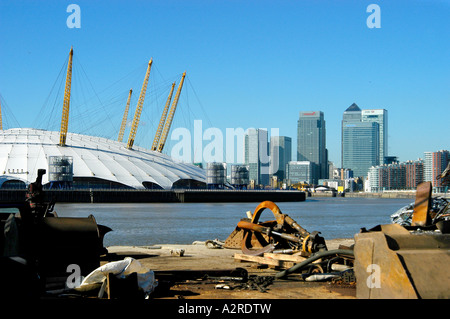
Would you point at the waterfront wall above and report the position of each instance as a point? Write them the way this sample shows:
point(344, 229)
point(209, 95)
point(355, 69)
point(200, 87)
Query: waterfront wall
point(190, 196)
point(159, 196)
point(411, 195)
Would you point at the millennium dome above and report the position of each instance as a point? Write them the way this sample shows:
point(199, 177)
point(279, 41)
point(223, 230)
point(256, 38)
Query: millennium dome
point(88, 161)
point(79, 161)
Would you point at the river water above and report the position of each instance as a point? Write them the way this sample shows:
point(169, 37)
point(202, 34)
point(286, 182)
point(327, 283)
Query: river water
point(184, 223)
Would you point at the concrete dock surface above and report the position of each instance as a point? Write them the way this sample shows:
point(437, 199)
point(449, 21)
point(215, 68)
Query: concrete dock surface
point(198, 257)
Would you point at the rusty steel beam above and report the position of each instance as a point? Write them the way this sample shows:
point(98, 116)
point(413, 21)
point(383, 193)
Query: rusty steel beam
point(422, 204)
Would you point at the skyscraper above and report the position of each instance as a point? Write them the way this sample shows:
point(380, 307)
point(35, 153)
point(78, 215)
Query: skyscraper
point(435, 163)
point(256, 155)
point(360, 142)
point(352, 114)
point(280, 155)
point(379, 116)
point(311, 143)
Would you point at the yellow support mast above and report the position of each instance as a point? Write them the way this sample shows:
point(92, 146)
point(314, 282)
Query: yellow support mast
point(162, 142)
point(1, 122)
point(66, 105)
point(163, 120)
point(124, 119)
point(138, 112)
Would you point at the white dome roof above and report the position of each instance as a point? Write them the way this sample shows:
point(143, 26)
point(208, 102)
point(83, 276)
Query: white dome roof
point(23, 151)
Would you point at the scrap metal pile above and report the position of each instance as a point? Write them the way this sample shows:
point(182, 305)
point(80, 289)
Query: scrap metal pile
point(406, 259)
point(439, 213)
point(283, 243)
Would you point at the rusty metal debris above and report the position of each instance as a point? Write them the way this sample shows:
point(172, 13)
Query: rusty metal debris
point(392, 262)
point(407, 259)
point(281, 234)
point(326, 260)
point(284, 243)
point(260, 283)
point(222, 279)
point(427, 213)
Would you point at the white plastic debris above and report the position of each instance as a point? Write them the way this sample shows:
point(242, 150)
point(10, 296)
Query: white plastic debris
point(121, 269)
point(321, 277)
point(222, 286)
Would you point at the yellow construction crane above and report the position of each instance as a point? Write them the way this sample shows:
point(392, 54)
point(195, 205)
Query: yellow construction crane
point(162, 142)
point(163, 120)
point(124, 119)
point(66, 105)
point(137, 114)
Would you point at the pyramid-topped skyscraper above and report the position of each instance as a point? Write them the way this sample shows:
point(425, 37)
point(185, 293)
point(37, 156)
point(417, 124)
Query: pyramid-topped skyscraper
point(360, 142)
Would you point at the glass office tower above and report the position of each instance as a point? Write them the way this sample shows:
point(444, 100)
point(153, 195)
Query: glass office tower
point(280, 155)
point(360, 142)
point(311, 143)
point(256, 155)
point(379, 116)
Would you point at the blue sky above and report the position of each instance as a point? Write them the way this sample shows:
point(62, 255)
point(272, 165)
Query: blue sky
point(248, 64)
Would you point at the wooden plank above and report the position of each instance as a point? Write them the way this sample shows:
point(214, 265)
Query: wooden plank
point(257, 259)
point(285, 257)
point(272, 260)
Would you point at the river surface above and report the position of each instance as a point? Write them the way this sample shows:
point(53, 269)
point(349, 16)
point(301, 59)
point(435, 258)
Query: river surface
point(184, 223)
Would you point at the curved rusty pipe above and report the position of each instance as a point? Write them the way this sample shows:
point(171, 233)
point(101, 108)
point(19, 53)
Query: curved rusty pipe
point(253, 226)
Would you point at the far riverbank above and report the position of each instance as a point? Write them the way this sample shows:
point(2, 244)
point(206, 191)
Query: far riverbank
point(390, 194)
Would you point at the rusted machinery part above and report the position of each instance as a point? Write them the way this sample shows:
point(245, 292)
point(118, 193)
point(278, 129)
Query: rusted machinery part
point(268, 231)
point(296, 226)
point(281, 219)
point(270, 205)
point(266, 249)
point(309, 242)
point(248, 232)
point(253, 225)
point(313, 258)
